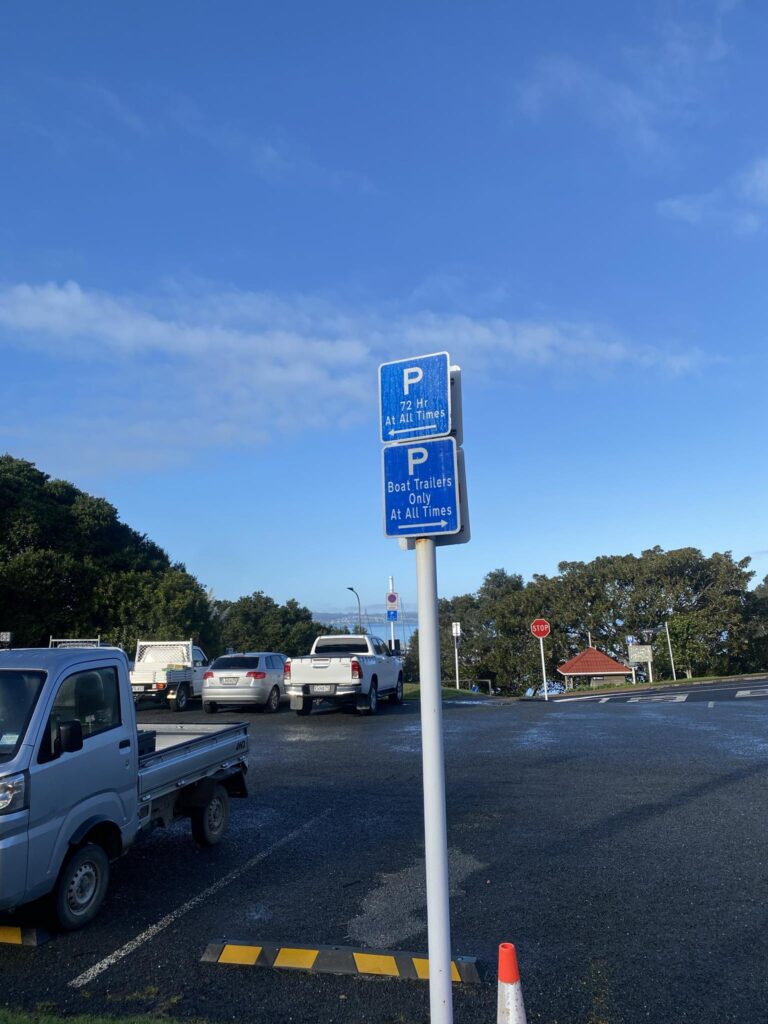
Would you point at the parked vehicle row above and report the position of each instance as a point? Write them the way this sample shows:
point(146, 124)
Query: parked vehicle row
point(340, 669)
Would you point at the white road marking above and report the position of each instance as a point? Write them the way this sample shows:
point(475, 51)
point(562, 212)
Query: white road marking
point(603, 700)
point(711, 704)
point(163, 923)
point(752, 693)
point(664, 698)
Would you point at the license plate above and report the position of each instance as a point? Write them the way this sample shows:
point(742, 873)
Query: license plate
point(322, 688)
point(138, 689)
point(229, 680)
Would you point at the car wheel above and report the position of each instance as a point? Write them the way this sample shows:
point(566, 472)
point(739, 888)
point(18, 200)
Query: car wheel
point(373, 700)
point(81, 887)
point(182, 699)
point(210, 707)
point(273, 700)
point(306, 706)
point(209, 823)
point(397, 696)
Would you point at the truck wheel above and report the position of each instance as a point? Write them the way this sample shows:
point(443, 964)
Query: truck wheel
point(397, 696)
point(81, 887)
point(182, 698)
point(210, 707)
point(306, 706)
point(373, 700)
point(209, 823)
point(273, 700)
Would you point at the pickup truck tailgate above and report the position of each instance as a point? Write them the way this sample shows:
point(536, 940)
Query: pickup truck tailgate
point(186, 753)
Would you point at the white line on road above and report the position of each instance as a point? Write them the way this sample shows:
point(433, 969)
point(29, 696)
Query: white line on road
point(663, 698)
point(711, 704)
point(163, 923)
point(752, 693)
point(603, 700)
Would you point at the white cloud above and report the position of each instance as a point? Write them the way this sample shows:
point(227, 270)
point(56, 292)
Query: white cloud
point(145, 381)
point(740, 205)
point(649, 91)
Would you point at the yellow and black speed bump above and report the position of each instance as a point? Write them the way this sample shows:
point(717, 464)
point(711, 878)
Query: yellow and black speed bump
point(336, 960)
point(11, 936)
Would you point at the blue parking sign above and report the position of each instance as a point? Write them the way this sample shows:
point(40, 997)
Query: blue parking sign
point(415, 398)
point(421, 490)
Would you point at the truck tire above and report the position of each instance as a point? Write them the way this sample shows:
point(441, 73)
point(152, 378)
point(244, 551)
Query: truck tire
point(210, 707)
point(209, 822)
point(81, 887)
point(306, 706)
point(373, 700)
point(396, 697)
point(181, 703)
point(273, 700)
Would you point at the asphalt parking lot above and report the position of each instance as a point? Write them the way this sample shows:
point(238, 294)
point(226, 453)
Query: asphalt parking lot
point(619, 846)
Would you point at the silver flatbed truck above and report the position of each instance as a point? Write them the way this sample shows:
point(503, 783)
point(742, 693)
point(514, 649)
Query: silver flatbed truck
point(79, 781)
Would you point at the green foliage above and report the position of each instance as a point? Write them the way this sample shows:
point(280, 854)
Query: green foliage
point(716, 625)
point(257, 623)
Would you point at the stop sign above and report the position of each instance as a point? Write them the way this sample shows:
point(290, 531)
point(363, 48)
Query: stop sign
point(540, 628)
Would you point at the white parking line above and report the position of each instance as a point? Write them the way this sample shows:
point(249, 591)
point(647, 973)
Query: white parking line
point(162, 924)
point(664, 698)
point(752, 693)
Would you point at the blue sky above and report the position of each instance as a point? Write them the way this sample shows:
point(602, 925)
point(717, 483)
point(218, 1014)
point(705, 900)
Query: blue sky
point(217, 220)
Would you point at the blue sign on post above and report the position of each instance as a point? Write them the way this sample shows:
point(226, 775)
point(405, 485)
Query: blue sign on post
point(391, 616)
point(421, 490)
point(415, 398)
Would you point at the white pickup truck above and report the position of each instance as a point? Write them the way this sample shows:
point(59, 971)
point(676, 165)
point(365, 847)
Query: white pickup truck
point(168, 670)
point(342, 669)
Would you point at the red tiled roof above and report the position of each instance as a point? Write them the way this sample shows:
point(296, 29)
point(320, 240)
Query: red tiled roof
point(593, 663)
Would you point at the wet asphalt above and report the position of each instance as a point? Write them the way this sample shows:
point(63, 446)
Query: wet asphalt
point(620, 846)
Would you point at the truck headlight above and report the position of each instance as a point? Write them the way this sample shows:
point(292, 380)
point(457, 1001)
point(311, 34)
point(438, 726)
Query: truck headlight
point(13, 793)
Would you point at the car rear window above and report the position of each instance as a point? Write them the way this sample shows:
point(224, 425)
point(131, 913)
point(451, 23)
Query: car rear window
point(235, 662)
point(328, 648)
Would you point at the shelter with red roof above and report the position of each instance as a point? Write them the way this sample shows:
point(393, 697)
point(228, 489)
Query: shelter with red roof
point(593, 668)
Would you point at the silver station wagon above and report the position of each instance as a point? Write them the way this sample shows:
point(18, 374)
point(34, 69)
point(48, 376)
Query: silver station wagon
point(255, 677)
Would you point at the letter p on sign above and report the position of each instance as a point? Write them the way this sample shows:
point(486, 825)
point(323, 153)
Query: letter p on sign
point(415, 458)
point(411, 375)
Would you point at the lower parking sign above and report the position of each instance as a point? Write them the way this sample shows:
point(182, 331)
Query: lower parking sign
point(421, 491)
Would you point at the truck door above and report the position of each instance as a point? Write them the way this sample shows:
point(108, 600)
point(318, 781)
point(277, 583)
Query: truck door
point(384, 665)
point(199, 665)
point(97, 782)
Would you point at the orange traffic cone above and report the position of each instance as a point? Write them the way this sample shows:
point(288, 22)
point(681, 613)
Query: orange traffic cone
point(510, 1008)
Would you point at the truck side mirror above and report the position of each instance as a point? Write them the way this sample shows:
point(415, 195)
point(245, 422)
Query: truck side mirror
point(70, 736)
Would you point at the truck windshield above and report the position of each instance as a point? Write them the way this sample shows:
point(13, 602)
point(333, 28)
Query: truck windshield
point(19, 691)
point(340, 647)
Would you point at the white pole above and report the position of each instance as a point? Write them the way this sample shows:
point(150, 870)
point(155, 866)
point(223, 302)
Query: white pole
point(456, 656)
point(433, 767)
point(671, 658)
point(543, 669)
point(392, 623)
point(650, 671)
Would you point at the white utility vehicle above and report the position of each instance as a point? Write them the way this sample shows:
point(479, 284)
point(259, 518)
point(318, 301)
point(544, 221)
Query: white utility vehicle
point(342, 669)
point(168, 670)
point(79, 781)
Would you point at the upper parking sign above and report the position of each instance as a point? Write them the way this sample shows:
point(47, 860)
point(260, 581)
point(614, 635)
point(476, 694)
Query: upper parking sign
point(415, 398)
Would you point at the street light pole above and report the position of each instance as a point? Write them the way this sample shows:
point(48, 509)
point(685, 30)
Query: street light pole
point(359, 610)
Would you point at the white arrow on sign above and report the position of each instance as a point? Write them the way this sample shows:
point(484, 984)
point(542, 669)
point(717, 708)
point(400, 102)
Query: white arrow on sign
point(420, 526)
point(411, 430)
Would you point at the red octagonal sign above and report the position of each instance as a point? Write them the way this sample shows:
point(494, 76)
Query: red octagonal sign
point(540, 628)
